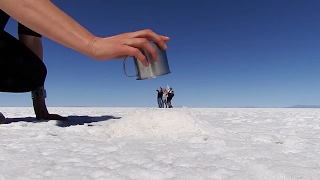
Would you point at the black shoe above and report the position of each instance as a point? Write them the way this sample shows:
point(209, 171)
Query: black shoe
point(2, 118)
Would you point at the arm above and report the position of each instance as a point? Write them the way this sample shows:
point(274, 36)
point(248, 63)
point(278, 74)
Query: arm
point(45, 18)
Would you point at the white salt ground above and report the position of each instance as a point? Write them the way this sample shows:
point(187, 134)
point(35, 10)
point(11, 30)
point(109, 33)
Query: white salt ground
point(150, 143)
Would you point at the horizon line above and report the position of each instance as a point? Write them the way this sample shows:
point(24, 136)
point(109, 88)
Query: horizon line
point(222, 107)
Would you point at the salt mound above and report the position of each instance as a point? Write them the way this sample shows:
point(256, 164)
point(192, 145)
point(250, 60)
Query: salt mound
point(158, 123)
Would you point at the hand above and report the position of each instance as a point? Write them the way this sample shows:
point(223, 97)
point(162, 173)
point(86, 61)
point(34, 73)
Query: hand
point(128, 44)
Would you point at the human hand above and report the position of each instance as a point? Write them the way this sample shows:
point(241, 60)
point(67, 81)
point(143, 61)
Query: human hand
point(128, 44)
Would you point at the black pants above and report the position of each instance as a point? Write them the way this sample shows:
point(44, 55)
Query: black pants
point(4, 18)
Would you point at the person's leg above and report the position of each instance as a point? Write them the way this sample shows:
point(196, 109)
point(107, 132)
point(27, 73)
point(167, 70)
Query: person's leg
point(169, 102)
point(33, 41)
point(4, 18)
point(159, 102)
point(2, 118)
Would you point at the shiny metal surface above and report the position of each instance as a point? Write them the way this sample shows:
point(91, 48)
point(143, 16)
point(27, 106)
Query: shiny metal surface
point(155, 69)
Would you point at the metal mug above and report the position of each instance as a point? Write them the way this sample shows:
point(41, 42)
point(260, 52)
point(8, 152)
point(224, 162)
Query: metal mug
point(155, 69)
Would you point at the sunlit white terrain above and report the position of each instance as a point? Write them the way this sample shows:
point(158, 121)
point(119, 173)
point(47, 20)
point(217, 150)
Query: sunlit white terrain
point(152, 144)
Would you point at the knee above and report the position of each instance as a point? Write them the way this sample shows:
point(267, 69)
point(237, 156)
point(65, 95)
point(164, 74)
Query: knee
point(27, 31)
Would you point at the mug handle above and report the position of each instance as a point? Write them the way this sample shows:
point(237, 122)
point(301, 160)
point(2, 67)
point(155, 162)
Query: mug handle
point(124, 67)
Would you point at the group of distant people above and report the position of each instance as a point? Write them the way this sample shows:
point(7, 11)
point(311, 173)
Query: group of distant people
point(164, 97)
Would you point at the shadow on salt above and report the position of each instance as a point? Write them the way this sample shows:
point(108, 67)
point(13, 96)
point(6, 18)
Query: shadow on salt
point(72, 120)
point(81, 120)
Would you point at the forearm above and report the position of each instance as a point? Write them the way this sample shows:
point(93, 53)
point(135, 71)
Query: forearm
point(45, 18)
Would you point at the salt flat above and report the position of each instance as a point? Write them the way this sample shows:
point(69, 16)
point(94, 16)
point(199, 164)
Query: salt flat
point(151, 143)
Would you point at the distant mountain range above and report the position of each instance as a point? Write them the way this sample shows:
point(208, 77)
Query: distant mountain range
point(179, 106)
point(294, 106)
point(304, 106)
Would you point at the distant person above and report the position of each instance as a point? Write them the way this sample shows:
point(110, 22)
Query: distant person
point(159, 97)
point(169, 98)
point(164, 97)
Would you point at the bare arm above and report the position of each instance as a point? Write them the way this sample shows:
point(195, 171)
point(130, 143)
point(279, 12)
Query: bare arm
point(45, 18)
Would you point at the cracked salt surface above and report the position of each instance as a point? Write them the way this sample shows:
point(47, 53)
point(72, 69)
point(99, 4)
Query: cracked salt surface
point(150, 143)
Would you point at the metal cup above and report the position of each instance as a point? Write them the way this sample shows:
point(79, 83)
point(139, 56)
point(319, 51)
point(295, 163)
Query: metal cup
point(155, 69)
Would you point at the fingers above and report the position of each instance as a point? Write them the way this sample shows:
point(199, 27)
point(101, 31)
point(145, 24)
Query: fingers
point(143, 43)
point(134, 41)
point(165, 38)
point(150, 35)
point(131, 51)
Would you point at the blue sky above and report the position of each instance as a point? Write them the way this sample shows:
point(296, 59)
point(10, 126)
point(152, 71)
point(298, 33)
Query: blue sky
point(222, 53)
